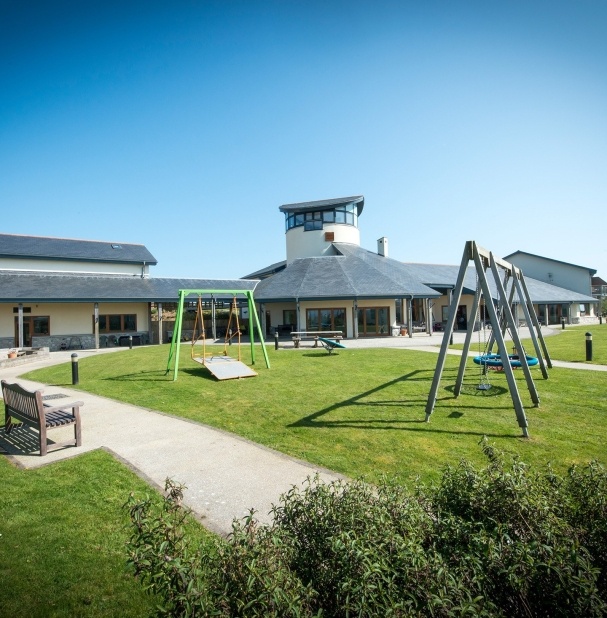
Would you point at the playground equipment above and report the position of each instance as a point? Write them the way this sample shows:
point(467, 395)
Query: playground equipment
point(330, 344)
point(501, 320)
point(223, 367)
point(495, 360)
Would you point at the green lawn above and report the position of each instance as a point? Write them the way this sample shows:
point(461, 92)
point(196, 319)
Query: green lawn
point(359, 412)
point(62, 540)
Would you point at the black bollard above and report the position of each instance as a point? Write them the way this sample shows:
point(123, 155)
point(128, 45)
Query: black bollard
point(588, 346)
point(563, 323)
point(600, 319)
point(130, 342)
point(75, 368)
point(276, 340)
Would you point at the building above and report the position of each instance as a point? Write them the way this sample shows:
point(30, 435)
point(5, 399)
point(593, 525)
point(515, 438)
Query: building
point(329, 282)
point(58, 292)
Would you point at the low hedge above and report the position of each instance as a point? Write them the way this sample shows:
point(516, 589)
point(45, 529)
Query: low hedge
point(502, 540)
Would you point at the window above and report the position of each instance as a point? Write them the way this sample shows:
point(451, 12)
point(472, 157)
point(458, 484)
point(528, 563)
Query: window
point(314, 220)
point(117, 323)
point(326, 319)
point(374, 321)
point(288, 317)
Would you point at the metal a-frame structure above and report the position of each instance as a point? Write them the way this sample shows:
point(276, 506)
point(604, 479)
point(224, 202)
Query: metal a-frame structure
point(253, 317)
point(501, 319)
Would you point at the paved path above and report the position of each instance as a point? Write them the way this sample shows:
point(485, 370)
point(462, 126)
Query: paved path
point(225, 475)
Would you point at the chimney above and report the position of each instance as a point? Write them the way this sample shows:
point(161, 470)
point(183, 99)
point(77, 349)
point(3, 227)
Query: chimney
point(382, 246)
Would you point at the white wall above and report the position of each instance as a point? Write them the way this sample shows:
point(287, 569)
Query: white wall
point(67, 266)
point(568, 276)
point(72, 318)
point(302, 244)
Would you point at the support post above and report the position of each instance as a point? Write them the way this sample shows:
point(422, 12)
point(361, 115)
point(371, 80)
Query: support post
point(588, 347)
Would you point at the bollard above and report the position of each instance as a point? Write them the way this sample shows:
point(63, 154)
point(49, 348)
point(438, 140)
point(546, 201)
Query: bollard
point(451, 339)
point(588, 346)
point(563, 323)
point(276, 340)
point(229, 336)
point(74, 368)
point(130, 342)
point(600, 319)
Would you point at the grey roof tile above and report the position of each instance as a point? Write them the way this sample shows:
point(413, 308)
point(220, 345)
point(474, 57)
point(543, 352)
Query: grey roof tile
point(36, 287)
point(18, 246)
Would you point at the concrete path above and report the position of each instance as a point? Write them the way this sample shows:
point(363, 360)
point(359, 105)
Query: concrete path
point(225, 475)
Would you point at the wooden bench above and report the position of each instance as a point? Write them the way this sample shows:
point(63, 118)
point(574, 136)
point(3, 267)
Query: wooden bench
point(299, 336)
point(28, 407)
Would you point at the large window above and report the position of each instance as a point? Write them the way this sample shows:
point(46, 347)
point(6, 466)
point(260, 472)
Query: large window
point(314, 220)
point(326, 319)
point(374, 321)
point(117, 323)
point(33, 326)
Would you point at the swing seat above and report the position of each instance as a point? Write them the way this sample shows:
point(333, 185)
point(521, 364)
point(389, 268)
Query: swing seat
point(225, 367)
point(495, 360)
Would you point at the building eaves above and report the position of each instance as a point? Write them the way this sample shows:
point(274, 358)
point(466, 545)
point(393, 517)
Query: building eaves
point(359, 200)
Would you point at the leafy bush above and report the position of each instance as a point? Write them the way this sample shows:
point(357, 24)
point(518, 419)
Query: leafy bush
point(500, 541)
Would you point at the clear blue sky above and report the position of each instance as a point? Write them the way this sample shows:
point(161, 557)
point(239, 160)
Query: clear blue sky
point(185, 125)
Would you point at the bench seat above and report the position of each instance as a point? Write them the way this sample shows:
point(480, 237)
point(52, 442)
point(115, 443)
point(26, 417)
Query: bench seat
point(29, 408)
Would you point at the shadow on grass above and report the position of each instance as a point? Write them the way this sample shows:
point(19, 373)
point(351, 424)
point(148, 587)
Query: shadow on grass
point(315, 420)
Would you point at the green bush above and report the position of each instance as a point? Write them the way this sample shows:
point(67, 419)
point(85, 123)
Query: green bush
point(498, 541)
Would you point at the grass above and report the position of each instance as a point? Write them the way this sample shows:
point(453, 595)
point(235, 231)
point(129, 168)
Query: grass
point(565, 345)
point(361, 411)
point(62, 540)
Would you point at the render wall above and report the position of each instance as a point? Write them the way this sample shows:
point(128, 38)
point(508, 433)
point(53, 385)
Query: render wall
point(302, 244)
point(568, 276)
point(68, 266)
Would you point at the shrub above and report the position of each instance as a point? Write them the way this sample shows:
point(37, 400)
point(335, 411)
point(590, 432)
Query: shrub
point(499, 541)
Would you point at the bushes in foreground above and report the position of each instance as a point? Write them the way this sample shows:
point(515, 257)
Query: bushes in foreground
point(503, 540)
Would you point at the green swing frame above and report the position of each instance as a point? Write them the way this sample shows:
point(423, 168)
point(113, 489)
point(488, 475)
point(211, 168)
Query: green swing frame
point(173, 359)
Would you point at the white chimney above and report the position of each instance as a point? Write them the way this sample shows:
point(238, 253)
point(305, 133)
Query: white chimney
point(382, 246)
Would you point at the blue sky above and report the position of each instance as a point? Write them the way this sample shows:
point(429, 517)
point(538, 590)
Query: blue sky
point(185, 125)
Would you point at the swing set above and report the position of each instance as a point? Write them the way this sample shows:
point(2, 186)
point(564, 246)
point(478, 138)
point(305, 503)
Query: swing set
point(501, 321)
point(222, 366)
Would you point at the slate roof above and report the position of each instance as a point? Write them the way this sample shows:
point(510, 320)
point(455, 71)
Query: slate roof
point(353, 273)
point(39, 247)
point(358, 273)
point(37, 287)
point(445, 277)
point(359, 200)
point(272, 269)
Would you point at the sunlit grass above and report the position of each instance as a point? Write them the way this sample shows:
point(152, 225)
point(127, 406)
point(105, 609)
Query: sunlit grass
point(361, 411)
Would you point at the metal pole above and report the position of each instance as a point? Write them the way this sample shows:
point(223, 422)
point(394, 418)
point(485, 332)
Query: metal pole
point(588, 346)
point(75, 368)
point(130, 342)
point(276, 340)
